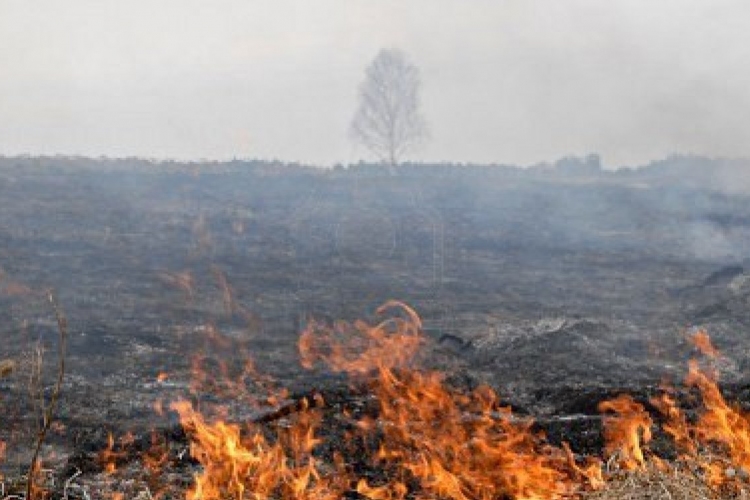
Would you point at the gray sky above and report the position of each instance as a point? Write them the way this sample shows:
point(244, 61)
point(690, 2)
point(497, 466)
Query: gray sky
point(510, 81)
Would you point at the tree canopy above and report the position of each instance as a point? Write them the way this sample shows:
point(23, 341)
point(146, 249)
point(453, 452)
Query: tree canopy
point(388, 121)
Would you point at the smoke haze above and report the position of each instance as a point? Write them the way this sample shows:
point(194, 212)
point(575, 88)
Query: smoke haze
point(512, 81)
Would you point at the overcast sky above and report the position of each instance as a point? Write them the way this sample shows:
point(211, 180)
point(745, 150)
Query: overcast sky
point(507, 81)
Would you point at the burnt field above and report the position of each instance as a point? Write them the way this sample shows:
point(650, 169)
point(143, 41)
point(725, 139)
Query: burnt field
point(559, 287)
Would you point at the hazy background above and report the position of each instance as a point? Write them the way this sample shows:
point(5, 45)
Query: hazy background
point(504, 81)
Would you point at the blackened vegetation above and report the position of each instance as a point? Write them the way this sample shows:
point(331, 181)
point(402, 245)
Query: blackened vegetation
point(341, 409)
point(558, 285)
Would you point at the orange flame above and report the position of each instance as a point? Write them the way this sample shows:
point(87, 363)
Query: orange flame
point(360, 348)
point(427, 439)
point(109, 456)
point(676, 423)
point(464, 446)
point(238, 466)
point(157, 455)
point(718, 441)
point(702, 342)
point(625, 430)
point(456, 445)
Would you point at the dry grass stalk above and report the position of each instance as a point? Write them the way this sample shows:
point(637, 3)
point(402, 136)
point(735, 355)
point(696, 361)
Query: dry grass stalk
point(655, 484)
point(48, 410)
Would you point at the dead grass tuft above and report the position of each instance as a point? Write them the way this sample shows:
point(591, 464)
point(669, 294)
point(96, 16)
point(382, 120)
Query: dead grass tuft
point(655, 484)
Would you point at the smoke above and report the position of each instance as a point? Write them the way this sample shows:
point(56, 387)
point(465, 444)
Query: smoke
point(512, 82)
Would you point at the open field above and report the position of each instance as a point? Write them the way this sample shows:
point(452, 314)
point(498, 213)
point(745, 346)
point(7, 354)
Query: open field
point(559, 287)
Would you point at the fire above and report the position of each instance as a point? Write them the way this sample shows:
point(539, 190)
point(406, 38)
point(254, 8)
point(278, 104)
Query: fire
point(109, 456)
point(420, 437)
point(625, 429)
point(463, 446)
point(702, 342)
point(424, 438)
point(456, 445)
point(360, 348)
point(718, 441)
point(157, 456)
point(720, 423)
point(239, 465)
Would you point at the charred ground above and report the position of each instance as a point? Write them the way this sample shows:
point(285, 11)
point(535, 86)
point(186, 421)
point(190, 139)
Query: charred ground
point(557, 285)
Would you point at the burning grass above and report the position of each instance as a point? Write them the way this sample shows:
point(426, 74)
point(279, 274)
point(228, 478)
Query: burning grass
point(424, 439)
point(408, 433)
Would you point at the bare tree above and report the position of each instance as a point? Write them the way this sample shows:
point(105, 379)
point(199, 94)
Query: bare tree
point(388, 121)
